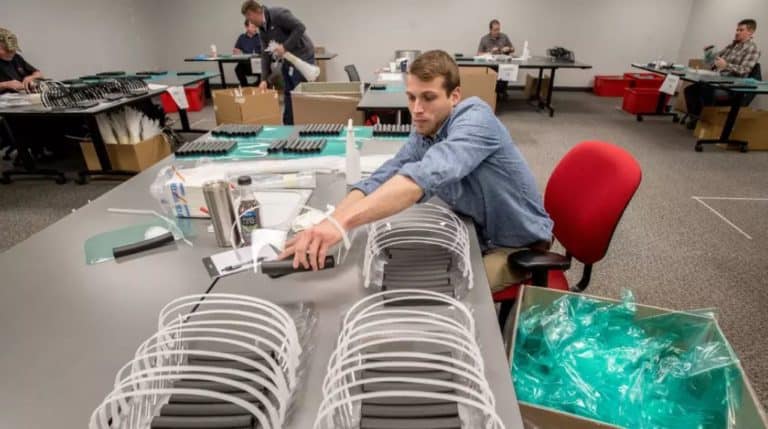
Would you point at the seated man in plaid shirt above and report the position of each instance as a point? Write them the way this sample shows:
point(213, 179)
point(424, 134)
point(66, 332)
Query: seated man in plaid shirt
point(737, 59)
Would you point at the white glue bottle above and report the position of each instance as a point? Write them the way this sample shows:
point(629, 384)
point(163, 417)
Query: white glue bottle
point(353, 156)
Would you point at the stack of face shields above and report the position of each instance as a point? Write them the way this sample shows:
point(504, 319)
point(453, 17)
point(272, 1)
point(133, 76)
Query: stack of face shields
point(425, 247)
point(217, 360)
point(598, 360)
point(399, 366)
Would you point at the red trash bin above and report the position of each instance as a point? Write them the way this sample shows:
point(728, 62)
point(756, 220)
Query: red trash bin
point(195, 98)
point(610, 86)
point(642, 100)
point(644, 80)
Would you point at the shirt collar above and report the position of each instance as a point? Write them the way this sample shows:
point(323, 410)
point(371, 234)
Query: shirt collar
point(266, 18)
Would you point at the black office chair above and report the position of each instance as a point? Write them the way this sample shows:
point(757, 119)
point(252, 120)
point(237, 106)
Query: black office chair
point(352, 73)
point(756, 74)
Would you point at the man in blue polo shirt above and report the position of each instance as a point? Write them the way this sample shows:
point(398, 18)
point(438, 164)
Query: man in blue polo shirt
point(248, 43)
point(458, 151)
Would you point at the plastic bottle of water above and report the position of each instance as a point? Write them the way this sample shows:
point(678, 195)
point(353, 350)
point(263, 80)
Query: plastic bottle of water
point(248, 209)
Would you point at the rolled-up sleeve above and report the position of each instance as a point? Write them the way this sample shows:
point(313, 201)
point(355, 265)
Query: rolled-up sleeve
point(405, 155)
point(470, 142)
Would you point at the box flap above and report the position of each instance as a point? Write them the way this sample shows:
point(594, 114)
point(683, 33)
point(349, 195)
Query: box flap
point(338, 88)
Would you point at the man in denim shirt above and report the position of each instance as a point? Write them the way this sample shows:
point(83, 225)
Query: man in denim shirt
point(460, 152)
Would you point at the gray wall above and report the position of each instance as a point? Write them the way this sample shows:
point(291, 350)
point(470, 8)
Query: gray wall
point(66, 39)
point(74, 37)
point(610, 34)
point(713, 23)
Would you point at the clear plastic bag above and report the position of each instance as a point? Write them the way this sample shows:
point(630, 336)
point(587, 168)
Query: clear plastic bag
point(598, 360)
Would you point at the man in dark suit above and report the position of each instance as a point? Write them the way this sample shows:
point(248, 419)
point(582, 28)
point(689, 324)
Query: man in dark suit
point(277, 24)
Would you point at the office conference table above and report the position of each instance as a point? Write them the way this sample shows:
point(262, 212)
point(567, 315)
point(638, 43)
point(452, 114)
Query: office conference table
point(237, 58)
point(386, 93)
point(737, 88)
point(540, 63)
point(38, 111)
point(67, 327)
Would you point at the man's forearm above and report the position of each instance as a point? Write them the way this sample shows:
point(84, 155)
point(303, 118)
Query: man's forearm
point(352, 197)
point(394, 196)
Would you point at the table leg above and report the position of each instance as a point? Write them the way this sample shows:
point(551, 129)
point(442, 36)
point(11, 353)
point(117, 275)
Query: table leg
point(730, 122)
point(221, 73)
point(548, 105)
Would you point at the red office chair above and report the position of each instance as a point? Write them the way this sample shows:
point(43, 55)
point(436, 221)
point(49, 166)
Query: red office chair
point(585, 197)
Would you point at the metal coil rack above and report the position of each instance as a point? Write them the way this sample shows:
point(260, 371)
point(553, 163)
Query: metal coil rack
point(85, 94)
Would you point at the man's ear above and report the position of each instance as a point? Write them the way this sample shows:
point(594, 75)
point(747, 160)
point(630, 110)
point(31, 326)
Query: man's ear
point(455, 96)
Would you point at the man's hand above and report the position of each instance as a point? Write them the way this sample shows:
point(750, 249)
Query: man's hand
point(279, 50)
point(28, 81)
point(263, 85)
point(494, 50)
point(506, 50)
point(14, 85)
point(237, 51)
point(309, 247)
point(720, 63)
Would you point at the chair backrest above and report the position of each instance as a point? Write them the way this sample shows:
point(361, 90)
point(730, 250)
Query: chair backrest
point(756, 72)
point(352, 73)
point(587, 194)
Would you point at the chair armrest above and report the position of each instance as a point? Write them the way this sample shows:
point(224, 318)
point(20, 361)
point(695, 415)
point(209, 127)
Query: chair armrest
point(534, 260)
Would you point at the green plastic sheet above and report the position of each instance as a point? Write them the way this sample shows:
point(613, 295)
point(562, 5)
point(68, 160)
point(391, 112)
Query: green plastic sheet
point(598, 360)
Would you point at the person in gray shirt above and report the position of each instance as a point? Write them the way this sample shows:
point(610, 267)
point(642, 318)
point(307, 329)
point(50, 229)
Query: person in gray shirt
point(281, 26)
point(495, 42)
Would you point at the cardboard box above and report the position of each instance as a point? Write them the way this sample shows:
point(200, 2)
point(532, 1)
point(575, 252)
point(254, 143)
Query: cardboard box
point(479, 82)
point(529, 91)
point(680, 105)
point(129, 157)
point(749, 415)
point(327, 103)
point(751, 126)
point(253, 107)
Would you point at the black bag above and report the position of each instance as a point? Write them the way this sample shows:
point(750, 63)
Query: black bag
point(561, 54)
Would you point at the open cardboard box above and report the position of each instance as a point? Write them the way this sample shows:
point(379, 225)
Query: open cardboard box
point(751, 126)
point(749, 415)
point(327, 103)
point(128, 157)
point(254, 106)
point(531, 82)
point(479, 82)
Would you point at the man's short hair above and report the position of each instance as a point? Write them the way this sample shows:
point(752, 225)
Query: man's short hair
point(493, 21)
point(251, 6)
point(246, 22)
point(751, 24)
point(433, 64)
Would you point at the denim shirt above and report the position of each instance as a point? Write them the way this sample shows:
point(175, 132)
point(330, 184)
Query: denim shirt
point(473, 165)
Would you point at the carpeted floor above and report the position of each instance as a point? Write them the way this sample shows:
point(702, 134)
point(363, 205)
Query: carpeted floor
point(670, 249)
